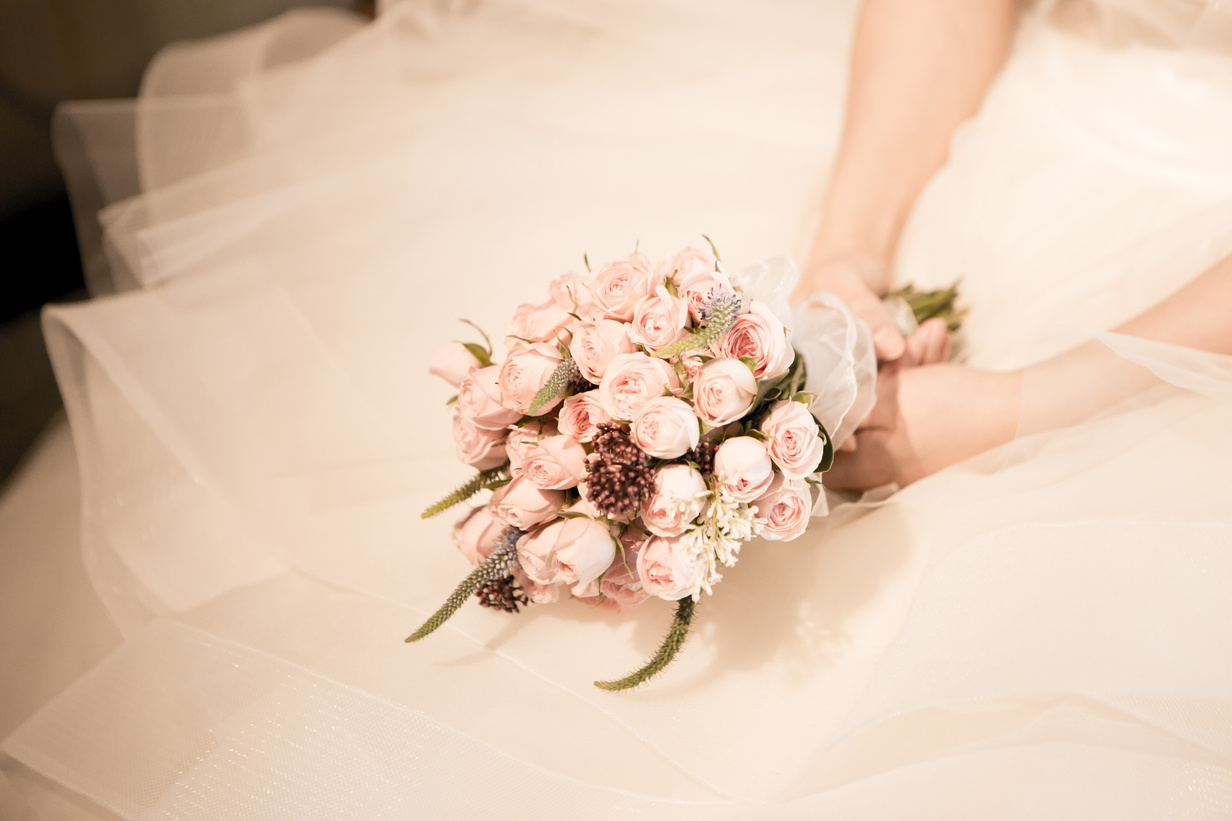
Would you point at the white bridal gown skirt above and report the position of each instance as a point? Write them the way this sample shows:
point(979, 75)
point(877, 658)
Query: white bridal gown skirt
point(297, 215)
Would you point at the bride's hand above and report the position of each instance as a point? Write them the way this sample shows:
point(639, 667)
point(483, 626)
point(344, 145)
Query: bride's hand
point(926, 419)
point(857, 280)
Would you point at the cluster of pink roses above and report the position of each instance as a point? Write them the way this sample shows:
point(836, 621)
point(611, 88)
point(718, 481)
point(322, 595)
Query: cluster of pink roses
point(726, 443)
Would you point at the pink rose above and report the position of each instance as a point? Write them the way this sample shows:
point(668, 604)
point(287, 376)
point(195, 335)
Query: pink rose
point(478, 447)
point(723, 391)
point(479, 400)
point(760, 335)
point(573, 551)
point(665, 427)
point(617, 286)
point(793, 439)
point(536, 592)
point(620, 586)
point(743, 467)
point(686, 264)
point(540, 323)
point(632, 380)
point(658, 320)
point(555, 463)
point(476, 534)
point(581, 415)
point(698, 289)
point(524, 373)
point(596, 343)
point(521, 439)
point(665, 568)
point(679, 496)
point(570, 292)
point(453, 363)
point(537, 553)
point(523, 505)
point(785, 507)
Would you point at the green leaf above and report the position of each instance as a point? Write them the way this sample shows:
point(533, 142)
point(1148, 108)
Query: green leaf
point(479, 352)
point(827, 456)
point(713, 250)
point(451, 400)
point(481, 333)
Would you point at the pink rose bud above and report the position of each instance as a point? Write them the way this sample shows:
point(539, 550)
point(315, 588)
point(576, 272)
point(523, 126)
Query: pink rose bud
point(743, 467)
point(793, 439)
point(785, 508)
point(665, 427)
point(596, 343)
point(760, 335)
point(555, 463)
point(665, 568)
point(698, 290)
point(522, 438)
point(453, 363)
point(570, 291)
point(723, 391)
point(617, 286)
point(478, 447)
point(479, 400)
point(570, 551)
point(537, 553)
point(585, 550)
point(476, 534)
point(524, 373)
point(678, 498)
point(523, 505)
point(581, 415)
point(686, 265)
point(620, 585)
point(539, 323)
point(658, 320)
point(632, 380)
point(536, 592)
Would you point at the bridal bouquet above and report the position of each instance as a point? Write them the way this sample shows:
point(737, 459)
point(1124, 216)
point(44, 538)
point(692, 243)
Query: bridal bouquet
point(648, 421)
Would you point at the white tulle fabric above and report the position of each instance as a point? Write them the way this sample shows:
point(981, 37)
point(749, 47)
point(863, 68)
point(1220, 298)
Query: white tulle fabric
point(294, 217)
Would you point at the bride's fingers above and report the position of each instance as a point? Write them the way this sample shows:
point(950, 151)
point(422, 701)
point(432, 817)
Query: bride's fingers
point(929, 344)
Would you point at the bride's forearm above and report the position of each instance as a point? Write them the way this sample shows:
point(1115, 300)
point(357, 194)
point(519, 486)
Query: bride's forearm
point(1091, 378)
point(1197, 316)
point(919, 69)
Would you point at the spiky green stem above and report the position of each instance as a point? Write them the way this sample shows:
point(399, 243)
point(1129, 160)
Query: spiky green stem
point(565, 374)
point(720, 313)
point(667, 651)
point(464, 491)
point(499, 564)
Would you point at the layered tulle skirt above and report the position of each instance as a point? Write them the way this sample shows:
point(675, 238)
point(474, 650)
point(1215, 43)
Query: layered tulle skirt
point(294, 218)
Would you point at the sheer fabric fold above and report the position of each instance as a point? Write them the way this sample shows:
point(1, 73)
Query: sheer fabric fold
point(308, 207)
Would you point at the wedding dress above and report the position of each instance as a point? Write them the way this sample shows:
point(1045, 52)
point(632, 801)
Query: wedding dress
point(294, 217)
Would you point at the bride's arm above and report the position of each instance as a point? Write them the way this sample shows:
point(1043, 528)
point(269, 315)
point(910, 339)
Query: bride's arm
point(919, 69)
point(931, 417)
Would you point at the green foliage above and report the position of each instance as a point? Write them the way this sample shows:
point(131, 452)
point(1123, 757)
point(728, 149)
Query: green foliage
point(929, 304)
point(565, 375)
point(667, 651)
point(721, 320)
point(496, 566)
point(484, 479)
